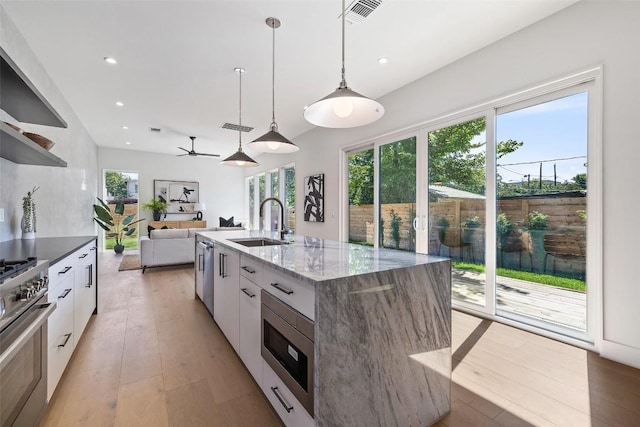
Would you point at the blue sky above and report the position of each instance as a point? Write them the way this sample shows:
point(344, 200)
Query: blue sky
point(552, 130)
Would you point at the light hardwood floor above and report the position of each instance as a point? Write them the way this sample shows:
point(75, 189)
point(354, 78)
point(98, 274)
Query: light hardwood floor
point(153, 357)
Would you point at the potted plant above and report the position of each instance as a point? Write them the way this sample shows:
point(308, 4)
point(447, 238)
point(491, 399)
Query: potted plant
point(537, 223)
point(28, 222)
point(157, 206)
point(469, 226)
point(115, 226)
point(442, 224)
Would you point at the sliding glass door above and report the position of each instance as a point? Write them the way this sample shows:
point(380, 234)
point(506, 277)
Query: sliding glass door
point(397, 194)
point(457, 204)
point(541, 212)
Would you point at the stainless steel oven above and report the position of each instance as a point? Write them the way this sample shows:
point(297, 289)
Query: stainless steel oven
point(23, 344)
point(287, 346)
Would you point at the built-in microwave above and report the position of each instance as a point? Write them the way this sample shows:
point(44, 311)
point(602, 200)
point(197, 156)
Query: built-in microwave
point(287, 346)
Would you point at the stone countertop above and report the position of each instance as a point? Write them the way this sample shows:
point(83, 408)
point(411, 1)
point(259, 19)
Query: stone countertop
point(53, 249)
point(314, 260)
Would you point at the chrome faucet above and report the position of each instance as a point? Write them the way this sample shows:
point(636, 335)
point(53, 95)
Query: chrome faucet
point(283, 229)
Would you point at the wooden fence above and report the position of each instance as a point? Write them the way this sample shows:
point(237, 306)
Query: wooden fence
point(564, 221)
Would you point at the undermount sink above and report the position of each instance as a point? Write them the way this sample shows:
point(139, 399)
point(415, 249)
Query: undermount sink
point(252, 242)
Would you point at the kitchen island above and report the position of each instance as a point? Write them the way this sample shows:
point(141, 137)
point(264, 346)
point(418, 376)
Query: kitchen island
point(381, 331)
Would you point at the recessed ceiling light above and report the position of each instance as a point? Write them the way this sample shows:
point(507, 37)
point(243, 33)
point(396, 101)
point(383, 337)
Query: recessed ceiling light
point(110, 60)
point(125, 127)
point(119, 103)
point(128, 143)
point(383, 60)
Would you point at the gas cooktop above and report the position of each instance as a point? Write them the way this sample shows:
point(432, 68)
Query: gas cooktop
point(10, 269)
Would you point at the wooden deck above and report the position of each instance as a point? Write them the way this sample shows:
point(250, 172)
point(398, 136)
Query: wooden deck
point(558, 306)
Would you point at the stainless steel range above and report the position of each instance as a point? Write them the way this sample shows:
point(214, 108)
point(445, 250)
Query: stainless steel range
point(23, 340)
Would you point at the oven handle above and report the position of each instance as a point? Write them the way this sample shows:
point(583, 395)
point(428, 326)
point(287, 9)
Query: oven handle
point(13, 349)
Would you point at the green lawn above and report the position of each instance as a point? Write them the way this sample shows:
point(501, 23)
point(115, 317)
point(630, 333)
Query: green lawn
point(544, 279)
point(129, 243)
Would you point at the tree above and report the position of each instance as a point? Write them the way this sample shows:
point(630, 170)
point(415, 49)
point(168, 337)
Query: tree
point(398, 172)
point(581, 180)
point(290, 187)
point(116, 185)
point(458, 162)
point(361, 178)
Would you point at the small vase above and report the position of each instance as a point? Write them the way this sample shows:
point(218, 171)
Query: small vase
point(118, 249)
point(26, 234)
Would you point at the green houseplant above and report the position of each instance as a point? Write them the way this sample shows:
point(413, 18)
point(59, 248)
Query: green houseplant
point(114, 224)
point(537, 223)
point(469, 226)
point(157, 206)
point(28, 222)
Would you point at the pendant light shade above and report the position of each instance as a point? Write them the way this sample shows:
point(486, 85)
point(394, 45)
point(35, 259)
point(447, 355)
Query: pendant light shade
point(344, 108)
point(239, 158)
point(273, 141)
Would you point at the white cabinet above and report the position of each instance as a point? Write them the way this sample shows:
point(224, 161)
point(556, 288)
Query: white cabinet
point(72, 285)
point(85, 291)
point(60, 336)
point(226, 293)
point(250, 327)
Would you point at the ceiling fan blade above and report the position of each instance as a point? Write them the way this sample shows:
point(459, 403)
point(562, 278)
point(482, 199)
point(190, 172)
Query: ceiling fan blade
point(180, 155)
point(184, 149)
point(206, 154)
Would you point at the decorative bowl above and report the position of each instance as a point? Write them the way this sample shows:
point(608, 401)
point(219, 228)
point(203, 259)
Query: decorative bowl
point(14, 127)
point(40, 140)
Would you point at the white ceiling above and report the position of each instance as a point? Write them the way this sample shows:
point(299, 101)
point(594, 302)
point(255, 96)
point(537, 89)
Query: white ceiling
point(176, 59)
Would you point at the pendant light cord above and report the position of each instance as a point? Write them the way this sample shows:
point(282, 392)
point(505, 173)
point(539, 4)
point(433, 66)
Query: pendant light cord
point(240, 71)
point(343, 82)
point(273, 76)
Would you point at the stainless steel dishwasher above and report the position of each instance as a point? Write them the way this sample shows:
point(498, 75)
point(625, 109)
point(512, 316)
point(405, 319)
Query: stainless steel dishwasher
point(207, 288)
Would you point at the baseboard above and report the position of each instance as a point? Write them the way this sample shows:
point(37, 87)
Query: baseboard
point(620, 353)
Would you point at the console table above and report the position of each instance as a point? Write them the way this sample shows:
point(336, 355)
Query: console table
point(179, 224)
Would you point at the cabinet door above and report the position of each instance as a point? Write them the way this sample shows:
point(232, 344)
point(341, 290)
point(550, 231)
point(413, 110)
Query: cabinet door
point(249, 341)
point(60, 337)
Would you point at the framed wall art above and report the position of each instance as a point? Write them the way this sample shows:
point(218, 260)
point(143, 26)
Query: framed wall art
point(314, 198)
point(181, 196)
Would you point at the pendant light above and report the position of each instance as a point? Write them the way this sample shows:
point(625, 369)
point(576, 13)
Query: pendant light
point(273, 141)
point(343, 108)
point(239, 158)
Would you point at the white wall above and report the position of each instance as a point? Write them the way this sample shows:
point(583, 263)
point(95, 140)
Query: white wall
point(586, 34)
point(221, 187)
point(65, 198)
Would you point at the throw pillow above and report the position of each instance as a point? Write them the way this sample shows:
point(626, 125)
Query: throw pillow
point(149, 229)
point(164, 227)
point(226, 222)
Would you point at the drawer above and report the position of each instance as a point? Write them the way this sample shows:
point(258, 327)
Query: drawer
point(61, 270)
point(251, 269)
point(296, 293)
point(86, 254)
point(60, 339)
point(291, 412)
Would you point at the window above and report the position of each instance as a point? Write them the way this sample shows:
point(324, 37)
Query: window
point(278, 183)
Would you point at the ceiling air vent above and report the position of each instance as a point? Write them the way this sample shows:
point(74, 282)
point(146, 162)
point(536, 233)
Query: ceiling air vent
point(360, 9)
point(157, 130)
point(232, 126)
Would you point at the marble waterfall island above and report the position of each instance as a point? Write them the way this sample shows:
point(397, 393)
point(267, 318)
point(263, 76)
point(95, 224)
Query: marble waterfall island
point(382, 326)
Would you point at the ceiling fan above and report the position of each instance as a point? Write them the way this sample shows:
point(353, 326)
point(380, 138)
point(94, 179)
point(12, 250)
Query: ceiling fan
point(193, 152)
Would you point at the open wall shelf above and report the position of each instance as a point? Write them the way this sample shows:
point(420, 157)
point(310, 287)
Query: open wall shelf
point(17, 148)
point(22, 100)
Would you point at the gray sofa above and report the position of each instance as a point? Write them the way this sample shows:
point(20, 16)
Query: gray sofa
point(171, 246)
